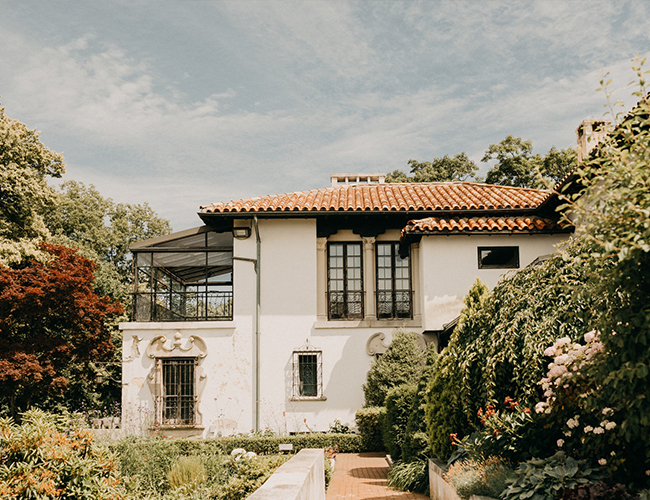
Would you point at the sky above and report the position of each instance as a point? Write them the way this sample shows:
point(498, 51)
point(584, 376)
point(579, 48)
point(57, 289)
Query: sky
point(188, 102)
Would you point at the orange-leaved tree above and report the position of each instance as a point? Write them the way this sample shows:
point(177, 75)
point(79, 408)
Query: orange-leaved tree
point(50, 318)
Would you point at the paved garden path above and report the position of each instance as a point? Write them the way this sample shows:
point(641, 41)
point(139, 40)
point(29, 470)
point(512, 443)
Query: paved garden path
point(363, 476)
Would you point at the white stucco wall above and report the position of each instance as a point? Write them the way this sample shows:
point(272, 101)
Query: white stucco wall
point(449, 267)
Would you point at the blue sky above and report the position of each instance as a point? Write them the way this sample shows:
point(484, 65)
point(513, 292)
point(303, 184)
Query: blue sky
point(188, 102)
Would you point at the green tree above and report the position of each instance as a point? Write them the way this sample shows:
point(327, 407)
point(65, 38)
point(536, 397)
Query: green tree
point(25, 164)
point(516, 165)
point(402, 363)
point(103, 230)
point(445, 169)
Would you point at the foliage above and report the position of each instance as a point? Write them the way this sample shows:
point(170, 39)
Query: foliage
point(49, 457)
point(549, 478)
point(150, 465)
point(444, 412)
point(415, 444)
point(345, 443)
point(399, 401)
point(337, 427)
point(478, 476)
point(497, 348)
point(245, 476)
point(369, 424)
point(50, 317)
point(188, 472)
point(25, 163)
point(402, 363)
point(612, 205)
point(85, 219)
point(445, 169)
point(517, 166)
point(410, 476)
point(507, 433)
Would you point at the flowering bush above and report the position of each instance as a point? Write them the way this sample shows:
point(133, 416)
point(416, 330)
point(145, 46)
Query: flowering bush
point(505, 433)
point(580, 429)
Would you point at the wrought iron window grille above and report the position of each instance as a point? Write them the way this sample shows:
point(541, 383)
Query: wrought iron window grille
point(307, 377)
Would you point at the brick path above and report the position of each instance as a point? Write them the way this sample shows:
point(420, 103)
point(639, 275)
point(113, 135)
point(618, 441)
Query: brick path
point(363, 476)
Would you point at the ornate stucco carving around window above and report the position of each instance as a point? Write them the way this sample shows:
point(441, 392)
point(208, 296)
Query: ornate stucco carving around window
point(376, 345)
point(193, 347)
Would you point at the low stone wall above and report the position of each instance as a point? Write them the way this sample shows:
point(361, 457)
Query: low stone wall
point(438, 487)
point(301, 478)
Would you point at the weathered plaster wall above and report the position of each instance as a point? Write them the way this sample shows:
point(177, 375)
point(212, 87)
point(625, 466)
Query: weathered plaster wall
point(449, 267)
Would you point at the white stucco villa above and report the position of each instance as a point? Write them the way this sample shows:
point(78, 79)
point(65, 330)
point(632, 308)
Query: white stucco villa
point(270, 314)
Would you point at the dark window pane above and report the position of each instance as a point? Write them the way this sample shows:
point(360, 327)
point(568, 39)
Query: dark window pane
point(498, 257)
point(308, 374)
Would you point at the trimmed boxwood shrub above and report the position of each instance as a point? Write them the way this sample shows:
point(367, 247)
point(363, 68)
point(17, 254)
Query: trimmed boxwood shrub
point(393, 425)
point(344, 443)
point(401, 364)
point(369, 423)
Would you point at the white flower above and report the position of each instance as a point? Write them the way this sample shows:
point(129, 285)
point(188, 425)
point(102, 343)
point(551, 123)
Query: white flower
point(550, 351)
point(572, 423)
point(589, 428)
point(613, 453)
point(562, 341)
point(602, 461)
point(567, 433)
point(607, 411)
point(599, 430)
point(560, 442)
point(539, 407)
point(237, 452)
point(610, 425)
point(560, 360)
point(590, 336)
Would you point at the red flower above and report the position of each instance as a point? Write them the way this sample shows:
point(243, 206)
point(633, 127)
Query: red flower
point(453, 437)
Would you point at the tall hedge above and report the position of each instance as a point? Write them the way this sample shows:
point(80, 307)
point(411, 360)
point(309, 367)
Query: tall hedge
point(415, 443)
point(399, 401)
point(402, 363)
point(497, 349)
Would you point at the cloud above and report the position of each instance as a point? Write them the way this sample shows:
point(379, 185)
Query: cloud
point(357, 86)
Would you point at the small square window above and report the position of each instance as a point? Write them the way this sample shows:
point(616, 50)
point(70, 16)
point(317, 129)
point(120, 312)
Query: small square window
point(498, 257)
point(307, 375)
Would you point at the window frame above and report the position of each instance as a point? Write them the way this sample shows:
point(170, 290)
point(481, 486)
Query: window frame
point(163, 398)
point(517, 259)
point(345, 292)
point(394, 246)
point(296, 390)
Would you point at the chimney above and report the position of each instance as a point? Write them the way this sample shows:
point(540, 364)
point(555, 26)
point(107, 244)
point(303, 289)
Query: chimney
point(357, 179)
point(590, 132)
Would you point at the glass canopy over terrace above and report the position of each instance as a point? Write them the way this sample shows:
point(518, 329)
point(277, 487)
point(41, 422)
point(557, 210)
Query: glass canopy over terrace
point(185, 276)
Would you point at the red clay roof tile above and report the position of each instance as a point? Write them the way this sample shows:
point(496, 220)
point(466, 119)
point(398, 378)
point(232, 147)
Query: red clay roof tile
point(397, 197)
point(445, 225)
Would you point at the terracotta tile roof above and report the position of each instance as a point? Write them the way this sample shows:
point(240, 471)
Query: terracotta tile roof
point(394, 197)
point(446, 225)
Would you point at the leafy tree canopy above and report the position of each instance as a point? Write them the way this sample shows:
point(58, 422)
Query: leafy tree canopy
point(445, 169)
point(50, 317)
point(516, 165)
point(103, 230)
point(25, 163)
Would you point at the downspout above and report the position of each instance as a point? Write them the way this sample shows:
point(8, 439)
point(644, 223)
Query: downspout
point(257, 325)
